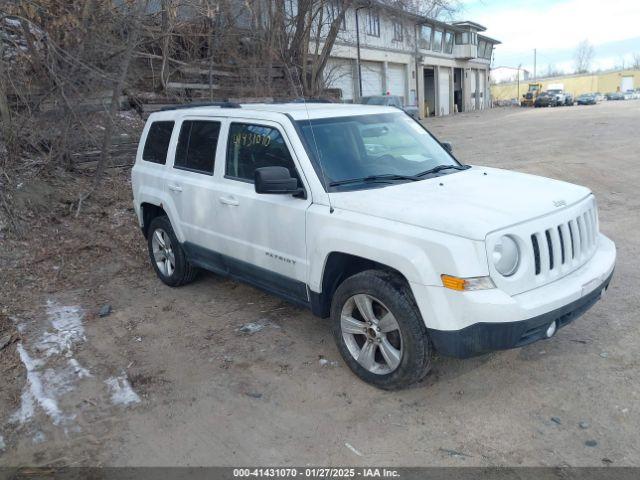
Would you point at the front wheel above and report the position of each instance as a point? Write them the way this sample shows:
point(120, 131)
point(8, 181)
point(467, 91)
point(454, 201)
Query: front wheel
point(379, 330)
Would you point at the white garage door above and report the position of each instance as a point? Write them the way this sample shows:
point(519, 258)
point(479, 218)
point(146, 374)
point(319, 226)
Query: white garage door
point(397, 80)
point(371, 79)
point(626, 84)
point(339, 74)
point(443, 96)
point(473, 75)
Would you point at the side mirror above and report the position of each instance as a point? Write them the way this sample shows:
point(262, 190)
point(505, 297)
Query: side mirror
point(447, 146)
point(276, 180)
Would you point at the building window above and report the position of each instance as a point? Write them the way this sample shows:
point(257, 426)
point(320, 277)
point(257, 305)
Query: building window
point(425, 37)
point(373, 23)
point(437, 40)
point(397, 31)
point(462, 38)
point(334, 10)
point(448, 42)
point(481, 48)
point(488, 51)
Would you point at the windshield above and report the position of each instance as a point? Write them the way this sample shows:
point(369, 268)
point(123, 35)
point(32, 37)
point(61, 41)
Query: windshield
point(362, 146)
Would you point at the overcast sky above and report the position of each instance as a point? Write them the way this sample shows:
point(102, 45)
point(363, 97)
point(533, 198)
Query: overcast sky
point(555, 28)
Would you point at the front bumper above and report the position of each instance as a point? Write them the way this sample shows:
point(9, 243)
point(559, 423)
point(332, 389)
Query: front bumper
point(481, 338)
point(464, 324)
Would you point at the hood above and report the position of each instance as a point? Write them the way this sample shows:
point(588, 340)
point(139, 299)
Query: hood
point(469, 203)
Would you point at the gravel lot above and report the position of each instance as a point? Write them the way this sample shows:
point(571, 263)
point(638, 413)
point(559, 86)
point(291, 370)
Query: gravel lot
point(168, 377)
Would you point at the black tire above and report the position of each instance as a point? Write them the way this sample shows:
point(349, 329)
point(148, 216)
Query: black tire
point(396, 296)
point(184, 272)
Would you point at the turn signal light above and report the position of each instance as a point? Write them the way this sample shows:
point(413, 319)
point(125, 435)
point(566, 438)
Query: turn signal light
point(454, 283)
point(465, 284)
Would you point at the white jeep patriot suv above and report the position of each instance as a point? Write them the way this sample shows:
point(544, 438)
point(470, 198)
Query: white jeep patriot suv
point(361, 215)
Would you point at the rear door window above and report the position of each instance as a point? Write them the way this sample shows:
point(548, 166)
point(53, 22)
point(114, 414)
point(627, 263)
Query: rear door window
point(197, 145)
point(157, 143)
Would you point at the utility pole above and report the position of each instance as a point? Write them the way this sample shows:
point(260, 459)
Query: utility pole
point(518, 77)
point(358, 49)
point(534, 64)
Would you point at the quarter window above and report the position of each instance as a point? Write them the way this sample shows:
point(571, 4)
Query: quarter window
point(197, 144)
point(157, 143)
point(255, 146)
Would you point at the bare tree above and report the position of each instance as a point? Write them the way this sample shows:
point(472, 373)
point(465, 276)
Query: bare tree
point(133, 27)
point(305, 36)
point(553, 71)
point(636, 60)
point(429, 8)
point(583, 56)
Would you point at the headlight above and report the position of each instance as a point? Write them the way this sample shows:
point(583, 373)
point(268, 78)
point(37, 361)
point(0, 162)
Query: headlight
point(506, 256)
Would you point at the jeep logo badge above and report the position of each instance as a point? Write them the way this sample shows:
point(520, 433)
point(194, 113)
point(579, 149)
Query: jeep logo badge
point(559, 203)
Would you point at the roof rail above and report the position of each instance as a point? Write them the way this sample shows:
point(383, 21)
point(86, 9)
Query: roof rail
point(202, 104)
point(280, 101)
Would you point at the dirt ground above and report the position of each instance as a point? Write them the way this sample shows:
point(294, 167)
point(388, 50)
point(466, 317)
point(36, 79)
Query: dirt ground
point(169, 378)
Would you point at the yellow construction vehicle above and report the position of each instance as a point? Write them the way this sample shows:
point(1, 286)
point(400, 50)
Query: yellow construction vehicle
point(529, 98)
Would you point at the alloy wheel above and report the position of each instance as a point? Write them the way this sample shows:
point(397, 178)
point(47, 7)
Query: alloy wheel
point(163, 252)
point(371, 334)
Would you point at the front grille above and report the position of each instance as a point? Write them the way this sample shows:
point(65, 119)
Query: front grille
point(570, 242)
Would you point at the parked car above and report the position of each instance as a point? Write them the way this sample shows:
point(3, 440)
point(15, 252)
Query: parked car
point(586, 99)
point(631, 95)
point(360, 214)
point(391, 101)
point(556, 90)
point(568, 100)
point(599, 96)
point(545, 99)
point(614, 96)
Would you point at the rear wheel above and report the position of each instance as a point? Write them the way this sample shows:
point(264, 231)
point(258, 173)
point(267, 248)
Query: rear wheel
point(166, 254)
point(379, 330)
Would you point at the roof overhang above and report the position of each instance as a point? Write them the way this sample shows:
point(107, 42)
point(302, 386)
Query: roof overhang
point(469, 24)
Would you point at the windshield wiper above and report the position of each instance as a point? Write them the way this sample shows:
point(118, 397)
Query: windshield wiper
point(393, 176)
point(373, 178)
point(440, 168)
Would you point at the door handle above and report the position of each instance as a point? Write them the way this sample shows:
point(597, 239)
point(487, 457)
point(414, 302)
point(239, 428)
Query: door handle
point(229, 201)
point(174, 188)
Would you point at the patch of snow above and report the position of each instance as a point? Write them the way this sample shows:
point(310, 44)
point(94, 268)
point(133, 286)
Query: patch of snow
point(121, 391)
point(254, 327)
point(78, 369)
point(47, 380)
point(11, 22)
point(67, 322)
point(35, 393)
point(39, 437)
point(353, 449)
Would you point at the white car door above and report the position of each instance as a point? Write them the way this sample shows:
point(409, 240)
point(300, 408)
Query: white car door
point(264, 234)
point(190, 183)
